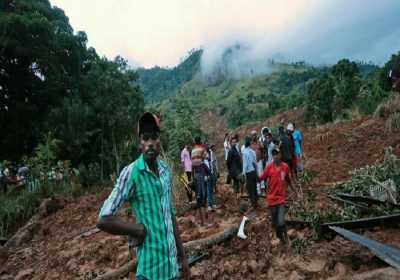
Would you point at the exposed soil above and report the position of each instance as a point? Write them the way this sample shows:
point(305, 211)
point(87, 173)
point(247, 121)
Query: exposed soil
point(66, 246)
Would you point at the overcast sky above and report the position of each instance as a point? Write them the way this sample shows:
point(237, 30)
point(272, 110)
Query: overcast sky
point(161, 32)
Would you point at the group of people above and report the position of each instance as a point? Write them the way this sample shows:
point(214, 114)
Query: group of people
point(13, 175)
point(266, 164)
point(21, 175)
point(200, 165)
point(146, 183)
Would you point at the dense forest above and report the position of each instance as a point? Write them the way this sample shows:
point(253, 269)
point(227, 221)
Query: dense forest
point(54, 89)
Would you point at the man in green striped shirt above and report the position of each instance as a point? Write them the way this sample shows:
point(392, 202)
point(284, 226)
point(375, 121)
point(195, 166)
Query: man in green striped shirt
point(147, 185)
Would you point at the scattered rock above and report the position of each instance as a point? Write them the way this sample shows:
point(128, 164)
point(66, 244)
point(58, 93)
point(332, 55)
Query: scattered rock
point(271, 273)
point(292, 233)
point(196, 271)
point(339, 272)
point(24, 274)
point(300, 234)
point(388, 273)
point(275, 242)
point(49, 206)
point(253, 266)
point(295, 276)
point(315, 266)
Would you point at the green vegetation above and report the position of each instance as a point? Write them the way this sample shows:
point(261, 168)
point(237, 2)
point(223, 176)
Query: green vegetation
point(160, 83)
point(385, 175)
point(60, 103)
point(342, 91)
point(52, 83)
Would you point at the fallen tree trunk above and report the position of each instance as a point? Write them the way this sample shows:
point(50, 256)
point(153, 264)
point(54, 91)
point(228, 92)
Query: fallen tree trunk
point(211, 240)
point(116, 274)
point(189, 246)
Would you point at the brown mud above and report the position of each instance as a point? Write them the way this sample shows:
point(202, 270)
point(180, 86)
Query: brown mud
point(65, 246)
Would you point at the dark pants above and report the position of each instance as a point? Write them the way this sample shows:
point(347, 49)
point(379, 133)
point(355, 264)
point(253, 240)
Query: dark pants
point(251, 185)
point(3, 185)
point(188, 192)
point(201, 189)
point(212, 181)
point(236, 183)
point(278, 221)
point(189, 175)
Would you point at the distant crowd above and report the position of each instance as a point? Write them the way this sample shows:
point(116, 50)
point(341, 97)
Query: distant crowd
point(265, 163)
point(20, 175)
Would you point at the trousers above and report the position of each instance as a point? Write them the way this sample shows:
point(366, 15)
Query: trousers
point(251, 186)
point(278, 221)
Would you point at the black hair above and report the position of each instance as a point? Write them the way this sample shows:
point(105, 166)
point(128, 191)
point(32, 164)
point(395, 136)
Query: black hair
point(197, 140)
point(247, 141)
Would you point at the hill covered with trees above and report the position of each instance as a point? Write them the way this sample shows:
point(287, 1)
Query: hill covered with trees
point(329, 92)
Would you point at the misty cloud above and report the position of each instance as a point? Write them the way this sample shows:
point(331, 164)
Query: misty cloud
point(364, 30)
point(157, 32)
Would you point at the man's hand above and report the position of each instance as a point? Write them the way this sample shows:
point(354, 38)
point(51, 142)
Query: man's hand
point(185, 269)
point(139, 238)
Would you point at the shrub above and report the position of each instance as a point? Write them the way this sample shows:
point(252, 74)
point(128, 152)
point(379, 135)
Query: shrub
point(389, 107)
point(392, 124)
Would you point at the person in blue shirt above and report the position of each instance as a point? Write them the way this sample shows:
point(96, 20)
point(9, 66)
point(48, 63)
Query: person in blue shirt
point(297, 138)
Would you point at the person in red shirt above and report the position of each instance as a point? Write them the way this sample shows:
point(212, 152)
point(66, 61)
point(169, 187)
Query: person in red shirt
point(277, 174)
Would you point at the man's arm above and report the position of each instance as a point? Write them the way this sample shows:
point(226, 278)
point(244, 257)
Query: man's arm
point(107, 220)
point(181, 250)
point(265, 173)
point(116, 225)
point(288, 179)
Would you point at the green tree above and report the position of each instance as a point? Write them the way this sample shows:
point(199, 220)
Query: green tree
point(346, 76)
point(40, 63)
point(394, 65)
point(320, 96)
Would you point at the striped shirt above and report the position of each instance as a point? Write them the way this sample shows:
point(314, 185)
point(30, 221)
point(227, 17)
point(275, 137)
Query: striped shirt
point(150, 197)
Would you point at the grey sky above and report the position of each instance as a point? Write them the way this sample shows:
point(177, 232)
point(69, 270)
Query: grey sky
point(151, 32)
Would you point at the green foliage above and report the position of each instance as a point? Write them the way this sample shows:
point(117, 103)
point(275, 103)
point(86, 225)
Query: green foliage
point(320, 98)
point(16, 208)
point(363, 178)
point(50, 82)
point(179, 128)
point(98, 125)
point(299, 246)
point(394, 65)
point(45, 154)
point(41, 62)
point(160, 83)
point(334, 95)
point(238, 113)
point(347, 84)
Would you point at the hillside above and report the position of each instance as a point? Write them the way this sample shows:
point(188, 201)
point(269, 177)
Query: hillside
point(160, 83)
point(258, 94)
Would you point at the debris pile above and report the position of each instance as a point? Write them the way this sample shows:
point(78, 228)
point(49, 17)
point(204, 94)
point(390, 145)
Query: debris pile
point(380, 181)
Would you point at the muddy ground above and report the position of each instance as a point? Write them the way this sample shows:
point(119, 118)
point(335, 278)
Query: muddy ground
point(65, 244)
